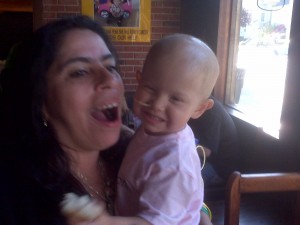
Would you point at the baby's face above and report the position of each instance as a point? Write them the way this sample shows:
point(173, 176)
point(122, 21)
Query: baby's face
point(168, 95)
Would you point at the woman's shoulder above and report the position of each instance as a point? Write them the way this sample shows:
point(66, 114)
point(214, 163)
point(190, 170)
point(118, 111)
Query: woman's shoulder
point(25, 201)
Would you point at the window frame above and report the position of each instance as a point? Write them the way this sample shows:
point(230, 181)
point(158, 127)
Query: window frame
point(225, 56)
point(227, 37)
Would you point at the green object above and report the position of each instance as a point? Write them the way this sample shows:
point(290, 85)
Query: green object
point(206, 210)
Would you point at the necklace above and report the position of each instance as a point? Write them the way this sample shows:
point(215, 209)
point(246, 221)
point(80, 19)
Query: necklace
point(89, 188)
point(107, 193)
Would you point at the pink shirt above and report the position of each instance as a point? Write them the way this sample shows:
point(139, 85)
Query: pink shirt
point(160, 179)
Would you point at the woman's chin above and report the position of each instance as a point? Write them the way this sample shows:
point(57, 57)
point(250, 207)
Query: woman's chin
point(109, 139)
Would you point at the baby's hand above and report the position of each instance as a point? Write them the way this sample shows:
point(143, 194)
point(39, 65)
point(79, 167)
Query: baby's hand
point(80, 208)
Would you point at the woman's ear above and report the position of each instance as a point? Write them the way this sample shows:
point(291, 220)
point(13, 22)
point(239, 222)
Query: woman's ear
point(45, 116)
point(45, 112)
point(208, 104)
point(138, 75)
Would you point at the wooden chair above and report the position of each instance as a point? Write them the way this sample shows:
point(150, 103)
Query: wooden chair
point(253, 183)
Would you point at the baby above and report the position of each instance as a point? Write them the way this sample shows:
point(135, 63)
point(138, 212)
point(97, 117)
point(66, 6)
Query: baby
point(160, 177)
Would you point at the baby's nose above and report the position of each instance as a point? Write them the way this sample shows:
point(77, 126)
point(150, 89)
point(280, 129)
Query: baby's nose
point(158, 103)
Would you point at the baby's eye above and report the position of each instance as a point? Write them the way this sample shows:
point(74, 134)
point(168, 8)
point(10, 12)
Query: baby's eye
point(79, 73)
point(149, 88)
point(175, 99)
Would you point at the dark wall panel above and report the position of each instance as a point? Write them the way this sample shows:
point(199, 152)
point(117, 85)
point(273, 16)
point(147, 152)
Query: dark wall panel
point(201, 18)
point(14, 26)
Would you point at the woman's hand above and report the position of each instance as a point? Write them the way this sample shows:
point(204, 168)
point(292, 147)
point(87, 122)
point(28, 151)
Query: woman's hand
point(80, 210)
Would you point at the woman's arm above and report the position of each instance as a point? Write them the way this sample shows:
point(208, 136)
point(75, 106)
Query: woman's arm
point(106, 219)
point(83, 210)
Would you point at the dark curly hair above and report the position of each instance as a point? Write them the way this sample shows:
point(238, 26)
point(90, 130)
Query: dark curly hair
point(23, 93)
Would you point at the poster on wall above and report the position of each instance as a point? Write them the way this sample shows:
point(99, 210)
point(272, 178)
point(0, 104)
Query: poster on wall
point(124, 20)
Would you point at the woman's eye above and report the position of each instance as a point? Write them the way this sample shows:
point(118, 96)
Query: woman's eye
point(112, 68)
point(114, 71)
point(79, 73)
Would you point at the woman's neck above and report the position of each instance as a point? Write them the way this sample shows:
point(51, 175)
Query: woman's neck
point(85, 166)
point(89, 171)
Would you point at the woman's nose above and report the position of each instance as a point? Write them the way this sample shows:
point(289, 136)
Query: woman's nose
point(106, 79)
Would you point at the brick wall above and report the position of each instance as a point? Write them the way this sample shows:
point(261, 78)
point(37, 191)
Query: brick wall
point(165, 19)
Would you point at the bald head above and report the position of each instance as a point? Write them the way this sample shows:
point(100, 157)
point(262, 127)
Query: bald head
point(185, 53)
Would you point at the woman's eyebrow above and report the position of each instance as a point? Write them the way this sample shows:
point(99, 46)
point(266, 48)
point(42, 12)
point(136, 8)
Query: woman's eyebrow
point(85, 59)
point(107, 56)
point(74, 60)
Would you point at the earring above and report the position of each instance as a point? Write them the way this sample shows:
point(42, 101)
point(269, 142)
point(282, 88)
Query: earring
point(45, 122)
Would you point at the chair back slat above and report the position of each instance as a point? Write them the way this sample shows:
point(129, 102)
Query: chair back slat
point(268, 182)
point(253, 183)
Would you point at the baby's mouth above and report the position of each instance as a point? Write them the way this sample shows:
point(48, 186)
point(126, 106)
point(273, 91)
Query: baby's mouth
point(154, 117)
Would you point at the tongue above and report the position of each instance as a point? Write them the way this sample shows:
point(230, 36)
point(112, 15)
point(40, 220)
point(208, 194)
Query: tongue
point(98, 115)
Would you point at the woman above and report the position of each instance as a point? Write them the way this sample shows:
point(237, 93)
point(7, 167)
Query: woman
point(60, 122)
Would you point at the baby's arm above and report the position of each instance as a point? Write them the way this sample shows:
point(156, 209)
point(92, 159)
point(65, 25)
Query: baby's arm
point(83, 210)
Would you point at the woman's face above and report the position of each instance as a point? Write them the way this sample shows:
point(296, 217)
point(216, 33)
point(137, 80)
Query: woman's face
point(84, 93)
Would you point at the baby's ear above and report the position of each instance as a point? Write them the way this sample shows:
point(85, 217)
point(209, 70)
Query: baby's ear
point(138, 75)
point(208, 104)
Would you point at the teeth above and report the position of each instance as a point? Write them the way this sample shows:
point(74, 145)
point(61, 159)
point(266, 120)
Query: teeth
point(109, 106)
point(156, 118)
point(110, 111)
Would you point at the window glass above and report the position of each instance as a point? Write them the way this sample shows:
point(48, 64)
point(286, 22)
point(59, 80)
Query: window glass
point(258, 52)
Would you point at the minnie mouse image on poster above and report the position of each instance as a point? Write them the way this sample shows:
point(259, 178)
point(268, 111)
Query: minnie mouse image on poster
point(114, 11)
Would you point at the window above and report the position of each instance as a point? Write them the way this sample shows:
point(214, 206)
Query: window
point(256, 58)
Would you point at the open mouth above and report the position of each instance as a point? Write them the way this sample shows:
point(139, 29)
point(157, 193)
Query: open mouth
point(111, 113)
